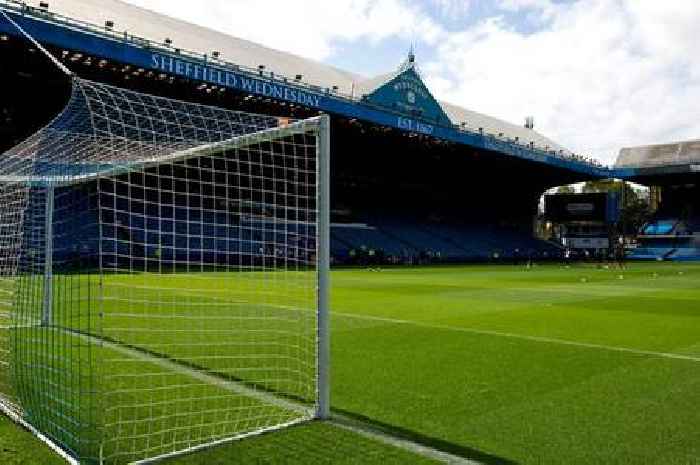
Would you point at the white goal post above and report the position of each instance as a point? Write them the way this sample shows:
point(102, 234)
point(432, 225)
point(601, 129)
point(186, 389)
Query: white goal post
point(163, 275)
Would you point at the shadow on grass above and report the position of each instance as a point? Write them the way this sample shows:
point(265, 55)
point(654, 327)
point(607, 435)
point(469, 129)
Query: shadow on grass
point(355, 419)
point(310, 443)
point(297, 445)
point(317, 443)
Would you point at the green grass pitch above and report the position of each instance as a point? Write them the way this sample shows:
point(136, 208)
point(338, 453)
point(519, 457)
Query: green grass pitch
point(499, 364)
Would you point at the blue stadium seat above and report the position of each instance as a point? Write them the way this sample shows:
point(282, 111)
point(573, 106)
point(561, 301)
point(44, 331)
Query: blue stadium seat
point(402, 237)
point(347, 237)
point(660, 227)
point(686, 254)
point(650, 253)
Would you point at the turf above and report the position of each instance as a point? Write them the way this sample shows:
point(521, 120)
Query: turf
point(504, 365)
point(19, 447)
point(313, 442)
point(484, 360)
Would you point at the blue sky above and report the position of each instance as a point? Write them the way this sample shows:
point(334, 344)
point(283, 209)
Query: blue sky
point(597, 75)
point(452, 15)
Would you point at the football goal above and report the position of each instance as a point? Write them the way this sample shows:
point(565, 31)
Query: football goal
point(163, 275)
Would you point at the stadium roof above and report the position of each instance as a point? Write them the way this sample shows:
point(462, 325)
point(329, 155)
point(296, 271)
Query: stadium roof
point(141, 22)
point(675, 153)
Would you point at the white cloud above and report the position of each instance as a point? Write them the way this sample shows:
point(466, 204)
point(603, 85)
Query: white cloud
point(596, 74)
point(309, 28)
point(601, 74)
point(540, 9)
point(449, 8)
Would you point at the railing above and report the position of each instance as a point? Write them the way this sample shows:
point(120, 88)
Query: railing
point(22, 8)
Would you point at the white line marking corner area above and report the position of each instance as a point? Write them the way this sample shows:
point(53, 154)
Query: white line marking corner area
point(525, 337)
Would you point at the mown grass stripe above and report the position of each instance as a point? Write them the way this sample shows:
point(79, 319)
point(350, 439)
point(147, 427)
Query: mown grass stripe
point(547, 340)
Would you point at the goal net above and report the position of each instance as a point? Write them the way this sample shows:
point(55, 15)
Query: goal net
point(160, 264)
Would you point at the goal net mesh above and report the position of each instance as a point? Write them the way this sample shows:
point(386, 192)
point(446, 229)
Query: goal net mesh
point(158, 278)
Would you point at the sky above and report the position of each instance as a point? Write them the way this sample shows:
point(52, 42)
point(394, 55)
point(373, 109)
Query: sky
point(597, 75)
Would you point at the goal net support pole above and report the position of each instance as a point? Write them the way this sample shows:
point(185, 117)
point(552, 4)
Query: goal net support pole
point(323, 160)
point(48, 256)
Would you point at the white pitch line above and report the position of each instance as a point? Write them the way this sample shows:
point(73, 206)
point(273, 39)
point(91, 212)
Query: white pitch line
point(12, 414)
point(270, 398)
point(343, 422)
point(486, 332)
point(202, 376)
point(547, 340)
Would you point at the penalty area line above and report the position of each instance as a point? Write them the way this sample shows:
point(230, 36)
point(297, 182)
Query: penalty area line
point(525, 337)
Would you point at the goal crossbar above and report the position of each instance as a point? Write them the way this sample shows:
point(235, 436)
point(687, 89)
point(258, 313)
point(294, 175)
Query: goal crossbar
point(312, 124)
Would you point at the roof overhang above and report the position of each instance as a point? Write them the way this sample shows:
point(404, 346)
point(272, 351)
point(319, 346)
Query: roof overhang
point(64, 32)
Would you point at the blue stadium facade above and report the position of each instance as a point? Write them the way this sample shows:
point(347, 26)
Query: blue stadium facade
point(413, 179)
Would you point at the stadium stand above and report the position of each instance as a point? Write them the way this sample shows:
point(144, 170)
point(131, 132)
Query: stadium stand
point(659, 227)
point(686, 254)
point(348, 237)
point(671, 170)
point(693, 225)
point(410, 172)
point(665, 238)
point(400, 240)
point(414, 234)
point(651, 253)
point(135, 232)
point(169, 233)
